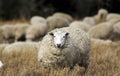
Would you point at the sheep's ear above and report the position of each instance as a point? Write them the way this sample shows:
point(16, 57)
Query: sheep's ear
point(67, 34)
point(51, 34)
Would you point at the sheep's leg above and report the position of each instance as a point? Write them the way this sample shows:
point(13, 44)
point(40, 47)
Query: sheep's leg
point(85, 63)
point(29, 40)
point(17, 36)
point(16, 39)
point(6, 39)
point(86, 68)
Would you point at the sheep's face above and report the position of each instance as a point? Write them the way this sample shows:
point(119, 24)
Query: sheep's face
point(59, 38)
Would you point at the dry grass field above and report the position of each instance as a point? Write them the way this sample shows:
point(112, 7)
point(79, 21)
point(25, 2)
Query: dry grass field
point(105, 61)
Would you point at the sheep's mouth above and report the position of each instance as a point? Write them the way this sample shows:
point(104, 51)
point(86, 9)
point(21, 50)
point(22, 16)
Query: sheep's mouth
point(60, 47)
point(57, 54)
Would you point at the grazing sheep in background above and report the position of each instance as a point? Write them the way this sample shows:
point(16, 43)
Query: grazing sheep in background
point(112, 16)
point(8, 31)
point(64, 15)
point(116, 28)
point(13, 31)
point(20, 30)
point(1, 64)
point(37, 19)
point(65, 47)
point(101, 16)
point(102, 42)
point(81, 25)
point(102, 30)
point(89, 20)
point(116, 32)
point(2, 39)
point(21, 47)
point(56, 22)
point(36, 31)
point(114, 20)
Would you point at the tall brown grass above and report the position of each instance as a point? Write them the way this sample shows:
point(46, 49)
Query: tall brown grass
point(104, 62)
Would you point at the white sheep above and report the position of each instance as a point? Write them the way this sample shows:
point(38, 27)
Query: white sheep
point(65, 47)
point(101, 42)
point(56, 22)
point(102, 30)
point(13, 31)
point(116, 32)
point(112, 16)
point(89, 20)
point(18, 47)
point(20, 30)
point(64, 15)
point(8, 31)
point(2, 39)
point(101, 16)
point(36, 31)
point(81, 25)
point(116, 28)
point(37, 19)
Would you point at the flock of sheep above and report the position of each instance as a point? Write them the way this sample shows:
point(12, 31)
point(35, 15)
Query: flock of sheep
point(59, 39)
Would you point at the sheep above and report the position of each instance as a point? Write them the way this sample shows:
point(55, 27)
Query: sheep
point(18, 47)
point(82, 25)
point(89, 20)
point(13, 31)
point(112, 16)
point(56, 22)
point(65, 47)
point(2, 39)
point(20, 30)
point(1, 64)
point(7, 31)
point(36, 31)
point(37, 19)
point(102, 30)
point(116, 28)
point(101, 16)
point(102, 42)
point(116, 32)
point(64, 15)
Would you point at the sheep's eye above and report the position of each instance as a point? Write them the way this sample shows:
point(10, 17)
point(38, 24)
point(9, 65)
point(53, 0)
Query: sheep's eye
point(66, 34)
point(51, 34)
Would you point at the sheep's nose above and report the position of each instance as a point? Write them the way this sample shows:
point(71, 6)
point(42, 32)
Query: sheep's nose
point(58, 45)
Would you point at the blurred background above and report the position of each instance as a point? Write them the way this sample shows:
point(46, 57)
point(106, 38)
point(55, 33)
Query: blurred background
point(17, 9)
